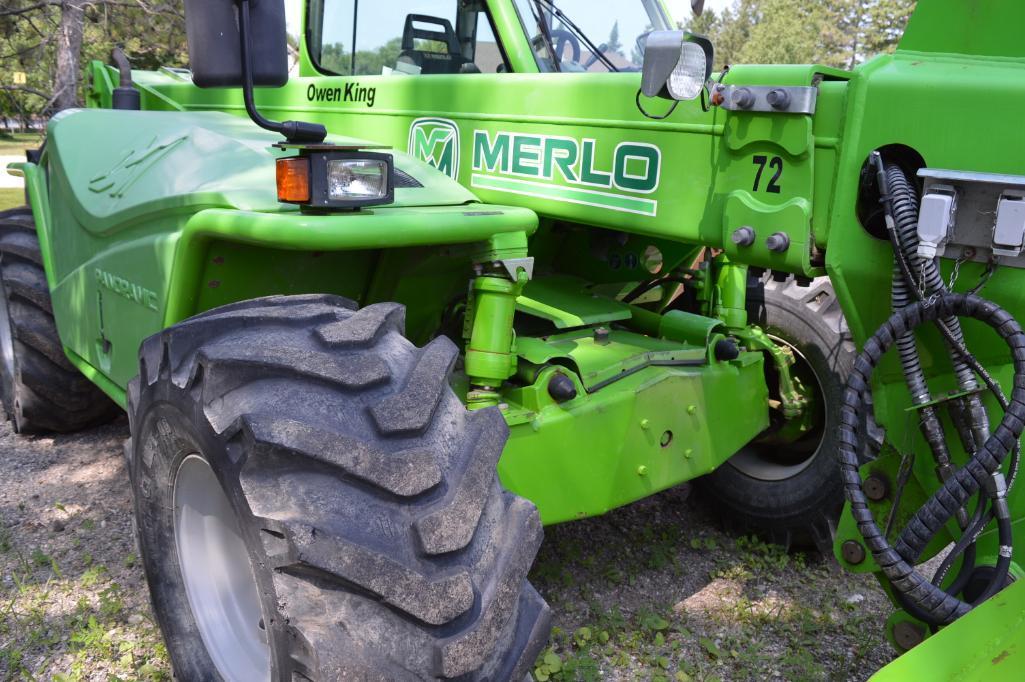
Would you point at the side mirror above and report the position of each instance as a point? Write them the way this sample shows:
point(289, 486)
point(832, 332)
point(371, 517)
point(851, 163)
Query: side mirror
point(215, 43)
point(677, 65)
point(243, 43)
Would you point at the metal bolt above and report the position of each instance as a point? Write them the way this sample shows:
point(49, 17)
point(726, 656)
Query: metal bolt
point(601, 336)
point(743, 236)
point(645, 424)
point(908, 635)
point(853, 552)
point(779, 99)
point(743, 98)
point(692, 409)
point(688, 452)
point(876, 487)
point(642, 470)
point(778, 243)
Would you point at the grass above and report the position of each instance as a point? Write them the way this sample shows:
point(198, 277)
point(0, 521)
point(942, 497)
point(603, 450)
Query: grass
point(10, 198)
point(760, 613)
point(17, 143)
point(70, 616)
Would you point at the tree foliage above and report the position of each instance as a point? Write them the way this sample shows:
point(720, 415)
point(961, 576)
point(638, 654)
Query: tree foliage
point(49, 41)
point(335, 58)
point(840, 33)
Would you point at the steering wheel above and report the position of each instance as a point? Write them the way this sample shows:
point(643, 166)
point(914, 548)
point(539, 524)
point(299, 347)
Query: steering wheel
point(560, 39)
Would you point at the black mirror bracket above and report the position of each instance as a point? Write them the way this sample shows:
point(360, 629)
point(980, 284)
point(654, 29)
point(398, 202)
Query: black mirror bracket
point(294, 131)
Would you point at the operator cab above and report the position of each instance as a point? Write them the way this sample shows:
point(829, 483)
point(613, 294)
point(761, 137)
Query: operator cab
point(403, 38)
point(434, 37)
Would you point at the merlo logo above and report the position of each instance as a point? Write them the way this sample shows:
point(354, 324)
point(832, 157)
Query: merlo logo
point(436, 141)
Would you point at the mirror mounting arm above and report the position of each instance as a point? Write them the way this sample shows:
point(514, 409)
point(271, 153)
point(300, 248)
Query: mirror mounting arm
point(294, 131)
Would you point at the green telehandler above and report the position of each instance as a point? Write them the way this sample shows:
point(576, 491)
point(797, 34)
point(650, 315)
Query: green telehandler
point(360, 380)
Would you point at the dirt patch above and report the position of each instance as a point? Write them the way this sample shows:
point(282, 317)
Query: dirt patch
point(73, 600)
point(656, 591)
point(651, 592)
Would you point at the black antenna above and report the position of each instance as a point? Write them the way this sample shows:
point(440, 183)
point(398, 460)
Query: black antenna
point(294, 131)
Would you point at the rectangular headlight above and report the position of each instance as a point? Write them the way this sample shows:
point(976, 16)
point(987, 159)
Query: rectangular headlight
point(350, 179)
point(357, 179)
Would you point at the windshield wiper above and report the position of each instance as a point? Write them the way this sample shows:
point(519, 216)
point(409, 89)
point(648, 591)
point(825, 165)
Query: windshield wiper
point(542, 25)
point(579, 33)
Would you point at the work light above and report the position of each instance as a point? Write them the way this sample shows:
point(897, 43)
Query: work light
point(357, 179)
point(334, 178)
point(689, 75)
point(676, 65)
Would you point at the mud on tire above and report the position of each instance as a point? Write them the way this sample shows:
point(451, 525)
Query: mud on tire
point(40, 389)
point(792, 493)
point(380, 541)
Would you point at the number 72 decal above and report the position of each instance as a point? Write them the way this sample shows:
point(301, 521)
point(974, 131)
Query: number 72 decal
point(774, 164)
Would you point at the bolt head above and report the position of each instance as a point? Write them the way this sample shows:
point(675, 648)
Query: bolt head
point(744, 98)
point(853, 552)
point(743, 236)
point(908, 635)
point(778, 242)
point(876, 487)
point(779, 99)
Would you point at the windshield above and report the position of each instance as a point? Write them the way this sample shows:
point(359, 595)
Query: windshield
point(584, 35)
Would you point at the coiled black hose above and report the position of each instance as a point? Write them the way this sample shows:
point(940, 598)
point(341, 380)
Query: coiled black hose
point(898, 191)
point(904, 208)
point(939, 606)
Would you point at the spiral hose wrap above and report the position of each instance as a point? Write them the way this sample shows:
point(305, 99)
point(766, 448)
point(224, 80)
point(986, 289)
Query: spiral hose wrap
point(952, 495)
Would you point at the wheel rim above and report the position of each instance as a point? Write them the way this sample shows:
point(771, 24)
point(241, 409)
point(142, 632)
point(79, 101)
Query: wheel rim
point(218, 576)
point(765, 459)
point(6, 340)
point(6, 358)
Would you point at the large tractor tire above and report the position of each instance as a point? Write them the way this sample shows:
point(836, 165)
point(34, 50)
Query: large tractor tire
point(41, 391)
point(782, 487)
point(314, 503)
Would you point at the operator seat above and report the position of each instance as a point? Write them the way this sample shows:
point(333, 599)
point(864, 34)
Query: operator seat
point(451, 61)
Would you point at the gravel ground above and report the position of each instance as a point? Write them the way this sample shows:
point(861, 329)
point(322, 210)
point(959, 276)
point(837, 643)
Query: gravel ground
point(651, 592)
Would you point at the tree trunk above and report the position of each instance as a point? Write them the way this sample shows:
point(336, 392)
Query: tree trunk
point(69, 51)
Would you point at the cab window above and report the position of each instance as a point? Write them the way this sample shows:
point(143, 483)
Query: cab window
point(419, 37)
point(588, 36)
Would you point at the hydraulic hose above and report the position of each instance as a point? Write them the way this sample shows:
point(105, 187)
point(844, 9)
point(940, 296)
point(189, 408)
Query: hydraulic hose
point(955, 492)
point(904, 201)
point(897, 191)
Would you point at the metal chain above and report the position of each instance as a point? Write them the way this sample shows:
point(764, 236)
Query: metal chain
point(956, 273)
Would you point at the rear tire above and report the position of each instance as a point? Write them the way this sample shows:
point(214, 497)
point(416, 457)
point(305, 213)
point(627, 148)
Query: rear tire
point(40, 389)
point(377, 541)
point(792, 494)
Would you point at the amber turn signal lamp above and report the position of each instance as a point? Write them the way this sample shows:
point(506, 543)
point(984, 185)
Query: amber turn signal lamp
point(294, 180)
